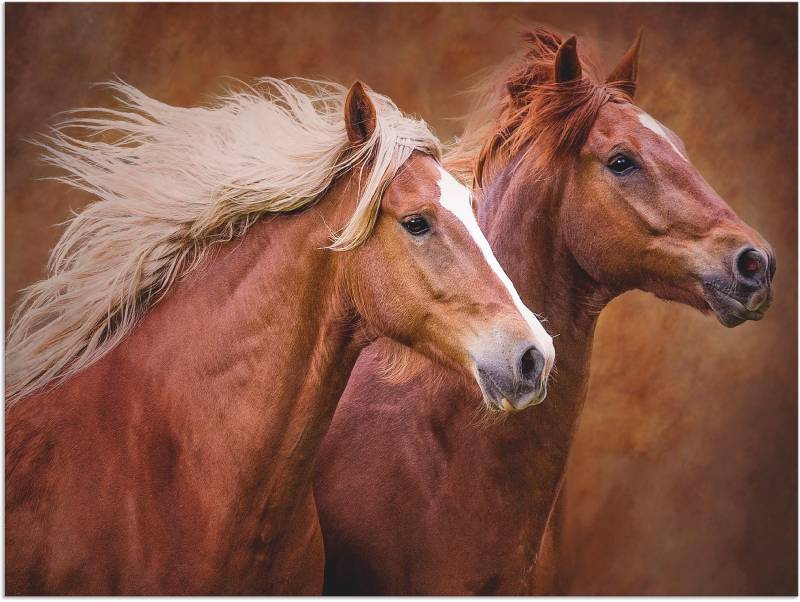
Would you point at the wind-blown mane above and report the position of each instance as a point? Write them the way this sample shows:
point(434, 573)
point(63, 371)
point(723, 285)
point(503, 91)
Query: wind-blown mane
point(169, 183)
point(525, 109)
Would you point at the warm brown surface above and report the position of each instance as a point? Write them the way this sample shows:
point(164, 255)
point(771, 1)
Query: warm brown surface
point(684, 474)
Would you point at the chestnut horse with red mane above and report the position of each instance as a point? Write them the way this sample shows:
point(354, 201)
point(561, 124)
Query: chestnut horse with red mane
point(171, 382)
point(583, 196)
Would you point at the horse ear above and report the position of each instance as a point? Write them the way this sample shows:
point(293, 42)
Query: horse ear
point(567, 65)
point(359, 114)
point(625, 74)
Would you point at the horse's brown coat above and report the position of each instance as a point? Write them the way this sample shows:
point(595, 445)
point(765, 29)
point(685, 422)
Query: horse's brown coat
point(181, 461)
point(458, 510)
point(686, 463)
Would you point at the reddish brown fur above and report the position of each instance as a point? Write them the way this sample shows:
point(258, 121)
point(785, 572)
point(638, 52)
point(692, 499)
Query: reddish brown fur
point(181, 462)
point(554, 117)
point(444, 508)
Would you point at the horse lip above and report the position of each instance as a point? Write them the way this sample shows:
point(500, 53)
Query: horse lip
point(729, 311)
point(497, 398)
point(507, 406)
point(491, 392)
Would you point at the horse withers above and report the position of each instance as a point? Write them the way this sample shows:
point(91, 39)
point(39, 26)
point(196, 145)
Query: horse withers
point(171, 381)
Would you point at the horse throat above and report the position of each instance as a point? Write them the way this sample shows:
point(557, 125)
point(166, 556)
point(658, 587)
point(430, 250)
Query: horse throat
point(535, 445)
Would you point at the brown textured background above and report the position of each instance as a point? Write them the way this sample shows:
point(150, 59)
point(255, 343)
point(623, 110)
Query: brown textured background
point(683, 478)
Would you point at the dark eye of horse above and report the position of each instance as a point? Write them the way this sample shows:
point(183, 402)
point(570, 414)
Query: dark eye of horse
point(416, 225)
point(621, 165)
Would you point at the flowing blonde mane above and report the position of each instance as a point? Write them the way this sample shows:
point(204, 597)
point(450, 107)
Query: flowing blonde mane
point(169, 183)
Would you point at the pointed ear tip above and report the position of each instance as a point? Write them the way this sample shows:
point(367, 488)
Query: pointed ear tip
point(358, 87)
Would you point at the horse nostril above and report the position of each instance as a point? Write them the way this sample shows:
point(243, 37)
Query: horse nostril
point(531, 364)
point(750, 263)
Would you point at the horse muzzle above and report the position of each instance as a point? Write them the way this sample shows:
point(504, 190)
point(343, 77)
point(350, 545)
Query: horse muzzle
point(746, 294)
point(513, 381)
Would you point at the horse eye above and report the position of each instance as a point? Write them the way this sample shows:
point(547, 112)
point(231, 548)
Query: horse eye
point(621, 165)
point(416, 225)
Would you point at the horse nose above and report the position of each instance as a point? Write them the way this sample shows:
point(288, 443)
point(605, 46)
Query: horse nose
point(753, 267)
point(514, 376)
point(531, 366)
point(530, 375)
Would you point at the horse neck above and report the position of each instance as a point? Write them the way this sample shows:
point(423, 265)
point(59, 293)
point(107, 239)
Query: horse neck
point(522, 222)
point(260, 341)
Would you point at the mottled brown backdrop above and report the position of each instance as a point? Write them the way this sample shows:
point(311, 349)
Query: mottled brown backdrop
point(683, 478)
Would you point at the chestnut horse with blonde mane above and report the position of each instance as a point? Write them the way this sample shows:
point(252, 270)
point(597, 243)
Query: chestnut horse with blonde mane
point(170, 383)
point(583, 196)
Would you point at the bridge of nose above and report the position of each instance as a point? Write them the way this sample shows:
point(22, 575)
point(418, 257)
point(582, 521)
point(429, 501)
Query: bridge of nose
point(455, 199)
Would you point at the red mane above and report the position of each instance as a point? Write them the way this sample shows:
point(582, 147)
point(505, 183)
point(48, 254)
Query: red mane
point(528, 110)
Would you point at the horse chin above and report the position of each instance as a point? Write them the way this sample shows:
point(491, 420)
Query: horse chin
point(496, 406)
point(500, 406)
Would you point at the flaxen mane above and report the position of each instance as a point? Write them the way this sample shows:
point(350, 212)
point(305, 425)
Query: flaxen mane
point(169, 182)
point(524, 109)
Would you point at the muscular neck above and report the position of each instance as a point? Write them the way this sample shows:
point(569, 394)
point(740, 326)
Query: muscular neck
point(287, 344)
point(233, 380)
point(522, 222)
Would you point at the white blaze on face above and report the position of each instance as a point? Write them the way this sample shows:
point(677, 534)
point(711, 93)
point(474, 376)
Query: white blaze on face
point(456, 199)
point(654, 126)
